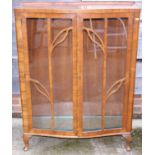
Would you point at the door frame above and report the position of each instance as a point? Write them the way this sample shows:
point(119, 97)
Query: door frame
point(27, 103)
point(77, 74)
point(125, 114)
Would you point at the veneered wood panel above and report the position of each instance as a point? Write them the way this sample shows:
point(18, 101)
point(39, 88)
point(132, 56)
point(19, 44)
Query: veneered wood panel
point(132, 70)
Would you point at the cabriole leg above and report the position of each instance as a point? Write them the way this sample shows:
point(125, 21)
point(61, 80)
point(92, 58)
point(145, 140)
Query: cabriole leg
point(26, 138)
point(127, 141)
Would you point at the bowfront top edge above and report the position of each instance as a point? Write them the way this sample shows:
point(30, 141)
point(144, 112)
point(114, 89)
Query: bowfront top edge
point(81, 7)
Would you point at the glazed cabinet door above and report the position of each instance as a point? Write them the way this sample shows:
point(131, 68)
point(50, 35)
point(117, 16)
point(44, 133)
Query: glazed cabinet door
point(50, 53)
point(104, 58)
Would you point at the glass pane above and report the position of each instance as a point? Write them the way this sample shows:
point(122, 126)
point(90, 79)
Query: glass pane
point(93, 75)
point(116, 66)
point(61, 58)
point(38, 63)
point(62, 75)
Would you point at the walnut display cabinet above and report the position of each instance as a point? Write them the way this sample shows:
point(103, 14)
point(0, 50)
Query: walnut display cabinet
point(77, 68)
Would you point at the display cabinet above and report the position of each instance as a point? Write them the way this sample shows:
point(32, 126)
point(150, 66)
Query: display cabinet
point(77, 68)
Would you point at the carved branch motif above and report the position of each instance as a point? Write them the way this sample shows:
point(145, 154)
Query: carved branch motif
point(124, 28)
point(41, 89)
point(112, 90)
point(100, 43)
point(91, 26)
point(55, 42)
point(117, 85)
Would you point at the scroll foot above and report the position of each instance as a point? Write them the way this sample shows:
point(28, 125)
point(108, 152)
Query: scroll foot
point(26, 138)
point(128, 140)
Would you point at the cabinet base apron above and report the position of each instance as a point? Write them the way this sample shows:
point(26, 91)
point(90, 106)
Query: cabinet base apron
point(126, 136)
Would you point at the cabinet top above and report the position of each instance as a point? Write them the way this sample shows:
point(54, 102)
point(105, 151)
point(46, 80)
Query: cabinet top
point(83, 7)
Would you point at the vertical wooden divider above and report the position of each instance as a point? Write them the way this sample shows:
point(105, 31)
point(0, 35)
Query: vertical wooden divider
point(74, 59)
point(50, 68)
point(104, 69)
point(80, 73)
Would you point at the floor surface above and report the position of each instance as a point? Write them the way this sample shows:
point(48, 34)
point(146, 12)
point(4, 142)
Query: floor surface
point(56, 146)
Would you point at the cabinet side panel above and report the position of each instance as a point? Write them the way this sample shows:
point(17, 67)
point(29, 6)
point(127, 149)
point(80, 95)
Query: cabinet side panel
point(133, 70)
point(21, 57)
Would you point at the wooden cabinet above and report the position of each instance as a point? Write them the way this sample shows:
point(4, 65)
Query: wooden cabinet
point(77, 68)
